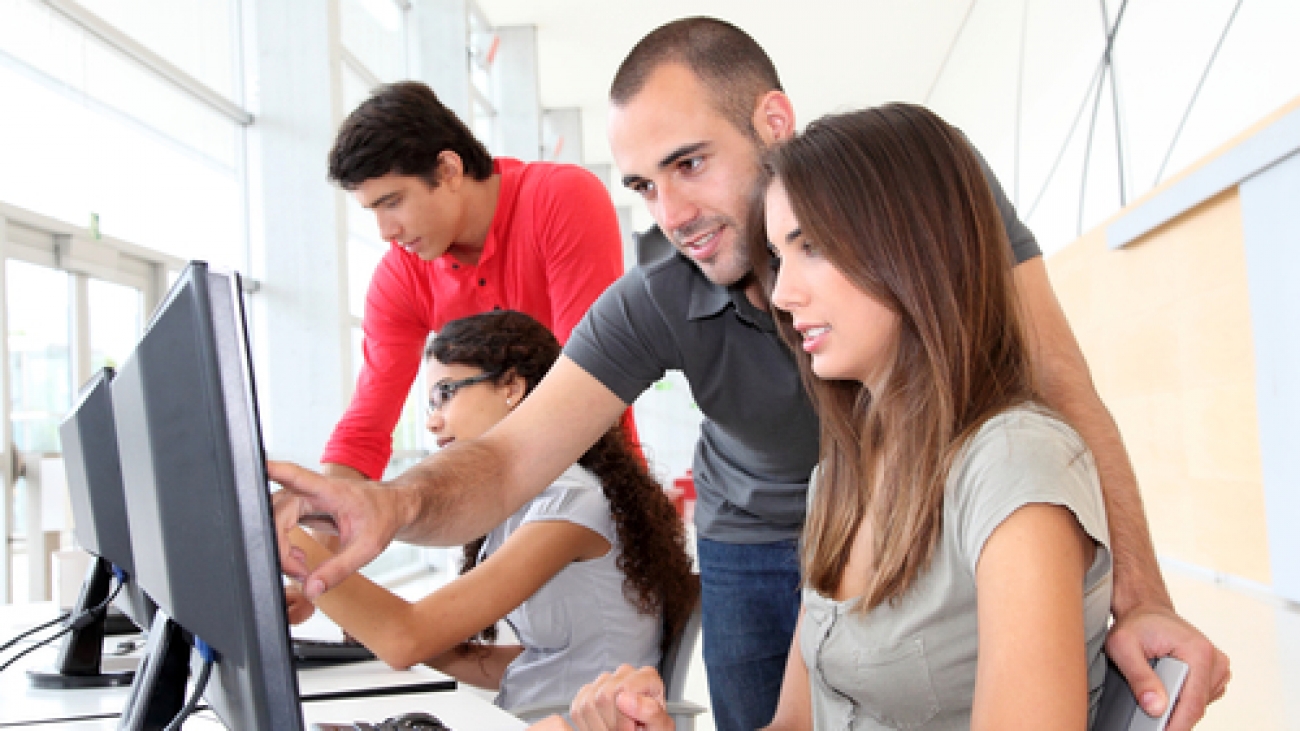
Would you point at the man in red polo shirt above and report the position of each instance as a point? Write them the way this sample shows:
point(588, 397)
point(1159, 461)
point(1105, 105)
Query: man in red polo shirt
point(469, 233)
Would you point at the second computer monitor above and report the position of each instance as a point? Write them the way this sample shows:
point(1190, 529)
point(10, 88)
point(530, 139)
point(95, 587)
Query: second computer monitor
point(90, 455)
point(197, 496)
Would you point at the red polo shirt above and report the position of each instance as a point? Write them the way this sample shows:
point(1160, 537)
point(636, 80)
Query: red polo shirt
point(553, 247)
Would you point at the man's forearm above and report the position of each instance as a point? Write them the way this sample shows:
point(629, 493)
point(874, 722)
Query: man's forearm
point(1065, 383)
point(451, 498)
point(465, 490)
point(1137, 574)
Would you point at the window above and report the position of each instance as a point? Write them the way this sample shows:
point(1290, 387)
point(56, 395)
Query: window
point(73, 305)
point(483, 45)
point(40, 353)
point(373, 31)
point(89, 132)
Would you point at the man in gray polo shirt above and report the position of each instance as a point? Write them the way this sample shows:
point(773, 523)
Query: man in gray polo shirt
point(693, 106)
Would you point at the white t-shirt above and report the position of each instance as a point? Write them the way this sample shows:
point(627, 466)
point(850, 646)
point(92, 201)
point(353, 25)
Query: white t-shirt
point(579, 624)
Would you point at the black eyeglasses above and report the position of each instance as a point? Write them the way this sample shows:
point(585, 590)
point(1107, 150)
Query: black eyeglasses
point(441, 393)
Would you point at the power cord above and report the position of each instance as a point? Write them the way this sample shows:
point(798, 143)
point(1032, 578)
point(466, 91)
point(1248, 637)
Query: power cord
point(200, 684)
point(69, 622)
point(34, 630)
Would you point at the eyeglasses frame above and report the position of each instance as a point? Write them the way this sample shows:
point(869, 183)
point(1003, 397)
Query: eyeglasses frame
point(442, 392)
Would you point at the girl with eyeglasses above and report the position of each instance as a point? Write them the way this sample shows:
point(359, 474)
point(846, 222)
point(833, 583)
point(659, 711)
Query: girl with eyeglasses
point(591, 574)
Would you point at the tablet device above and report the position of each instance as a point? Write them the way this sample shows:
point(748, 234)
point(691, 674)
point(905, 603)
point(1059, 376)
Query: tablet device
point(1119, 710)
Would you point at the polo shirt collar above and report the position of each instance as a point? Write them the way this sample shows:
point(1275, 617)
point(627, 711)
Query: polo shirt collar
point(746, 311)
point(710, 300)
point(707, 299)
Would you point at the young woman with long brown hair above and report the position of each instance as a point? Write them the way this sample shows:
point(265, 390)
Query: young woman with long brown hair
point(955, 558)
point(591, 574)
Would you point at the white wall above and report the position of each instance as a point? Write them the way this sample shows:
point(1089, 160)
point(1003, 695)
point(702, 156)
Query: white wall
point(1161, 52)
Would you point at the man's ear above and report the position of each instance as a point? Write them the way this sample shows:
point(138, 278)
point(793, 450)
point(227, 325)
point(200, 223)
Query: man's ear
point(774, 117)
point(451, 170)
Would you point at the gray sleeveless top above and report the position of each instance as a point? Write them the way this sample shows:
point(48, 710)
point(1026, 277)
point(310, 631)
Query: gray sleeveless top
point(579, 624)
point(911, 664)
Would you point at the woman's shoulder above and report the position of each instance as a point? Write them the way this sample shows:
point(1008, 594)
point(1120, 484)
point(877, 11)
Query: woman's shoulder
point(574, 479)
point(1026, 431)
point(1029, 416)
point(576, 496)
point(1023, 455)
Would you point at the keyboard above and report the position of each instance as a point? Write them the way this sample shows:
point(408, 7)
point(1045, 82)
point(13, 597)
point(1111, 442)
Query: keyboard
point(329, 652)
point(406, 722)
point(117, 623)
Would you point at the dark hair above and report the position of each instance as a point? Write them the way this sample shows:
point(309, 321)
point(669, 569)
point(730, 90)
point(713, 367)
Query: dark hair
point(402, 128)
point(732, 67)
point(653, 557)
point(896, 200)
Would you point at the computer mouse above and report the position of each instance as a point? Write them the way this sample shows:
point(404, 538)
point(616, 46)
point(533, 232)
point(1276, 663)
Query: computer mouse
point(415, 721)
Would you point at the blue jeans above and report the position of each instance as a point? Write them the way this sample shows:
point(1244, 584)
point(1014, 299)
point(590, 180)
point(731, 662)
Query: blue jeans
point(750, 605)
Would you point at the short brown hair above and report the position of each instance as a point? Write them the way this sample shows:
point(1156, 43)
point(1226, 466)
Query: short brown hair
point(402, 128)
point(733, 68)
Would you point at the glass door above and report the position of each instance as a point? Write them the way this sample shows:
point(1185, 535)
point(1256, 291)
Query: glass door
point(61, 328)
point(39, 339)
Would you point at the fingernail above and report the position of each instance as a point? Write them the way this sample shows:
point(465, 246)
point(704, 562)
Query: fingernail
point(1151, 703)
point(314, 588)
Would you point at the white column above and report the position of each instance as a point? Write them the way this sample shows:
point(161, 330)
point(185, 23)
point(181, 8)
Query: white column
point(6, 441)
point(1272, 239)
point(296, 225)
point(438, 34)
point(518, 103)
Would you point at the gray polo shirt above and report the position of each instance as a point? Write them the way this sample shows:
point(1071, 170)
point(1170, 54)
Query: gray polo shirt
point(759, 439)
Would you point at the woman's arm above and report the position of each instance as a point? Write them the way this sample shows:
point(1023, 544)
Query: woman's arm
point(1033, 668)
point(794, 708)
point(403, 633)
point(482, 666)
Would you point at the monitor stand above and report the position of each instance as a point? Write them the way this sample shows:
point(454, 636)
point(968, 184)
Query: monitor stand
point(80, 655)
point(158, 693)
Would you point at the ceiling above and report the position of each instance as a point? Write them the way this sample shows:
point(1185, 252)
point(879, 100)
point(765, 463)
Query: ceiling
point(831, 54)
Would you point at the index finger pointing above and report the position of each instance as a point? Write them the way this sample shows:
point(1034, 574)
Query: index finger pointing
point(290, 475)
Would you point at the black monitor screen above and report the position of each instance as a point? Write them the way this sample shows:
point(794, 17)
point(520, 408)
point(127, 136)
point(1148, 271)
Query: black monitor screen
point(197, 496)
point(89, 440)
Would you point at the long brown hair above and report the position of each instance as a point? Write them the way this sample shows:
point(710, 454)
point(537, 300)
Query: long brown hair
point(653, 558)
point(895, 198)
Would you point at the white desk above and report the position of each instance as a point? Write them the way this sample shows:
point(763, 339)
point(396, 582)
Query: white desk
point(20, 703)
point(460, 711)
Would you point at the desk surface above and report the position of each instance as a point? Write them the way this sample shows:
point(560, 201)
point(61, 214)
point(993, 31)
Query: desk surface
point(20, 703)
point(459, 710)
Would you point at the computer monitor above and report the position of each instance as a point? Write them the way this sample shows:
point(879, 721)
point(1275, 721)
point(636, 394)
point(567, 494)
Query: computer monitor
point(199, 507)
point(100, 526)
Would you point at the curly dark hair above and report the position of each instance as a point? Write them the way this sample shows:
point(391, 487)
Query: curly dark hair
point(653, 557)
